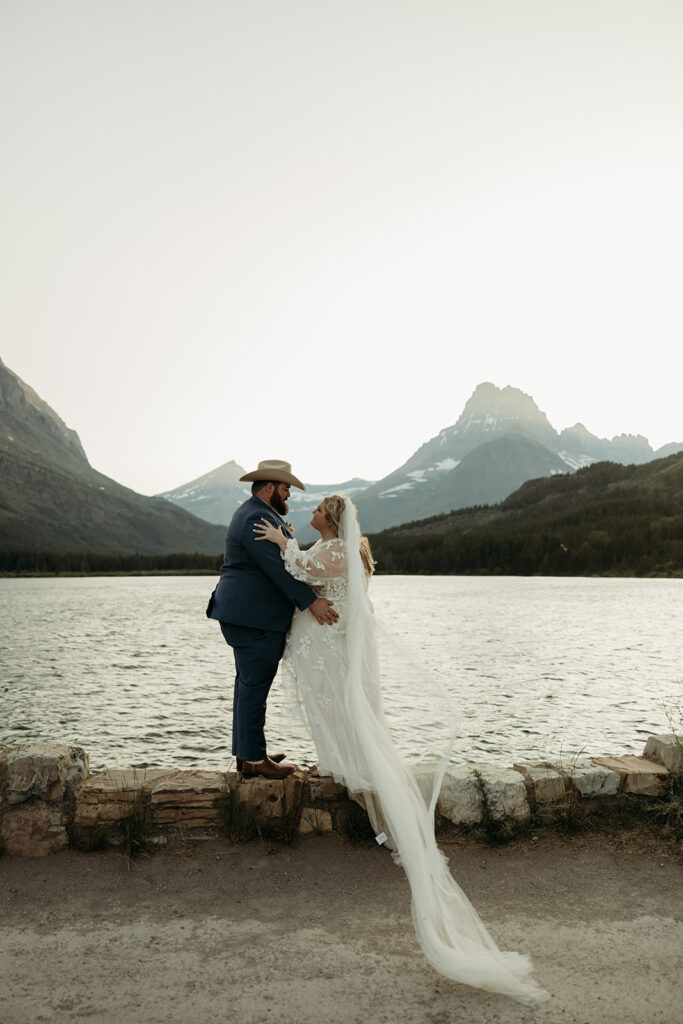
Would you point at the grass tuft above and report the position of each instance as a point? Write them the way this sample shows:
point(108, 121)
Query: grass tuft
point(571, 812)
point(134, 827)
point(238, 818)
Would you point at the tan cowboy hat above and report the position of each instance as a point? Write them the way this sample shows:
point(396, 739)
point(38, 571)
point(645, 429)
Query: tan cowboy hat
point(273, 469)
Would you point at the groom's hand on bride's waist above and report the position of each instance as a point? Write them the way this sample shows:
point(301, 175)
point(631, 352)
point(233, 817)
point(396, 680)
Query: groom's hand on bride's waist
point(323, 611)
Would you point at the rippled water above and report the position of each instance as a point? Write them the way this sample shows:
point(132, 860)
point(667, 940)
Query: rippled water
point(130, 668)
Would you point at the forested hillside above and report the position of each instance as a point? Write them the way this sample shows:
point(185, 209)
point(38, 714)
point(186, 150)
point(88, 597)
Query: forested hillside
point(604, 519)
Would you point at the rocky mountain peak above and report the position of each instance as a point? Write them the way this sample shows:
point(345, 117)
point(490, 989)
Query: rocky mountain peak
point(631, 448)
point(229, 472)
point(490, 405)
point(579, 430)
point(27, 419)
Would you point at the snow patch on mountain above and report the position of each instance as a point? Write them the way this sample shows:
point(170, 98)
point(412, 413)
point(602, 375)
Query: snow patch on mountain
point(485, 424)
point(393, 491)
point(575, 461)
point(187, 493)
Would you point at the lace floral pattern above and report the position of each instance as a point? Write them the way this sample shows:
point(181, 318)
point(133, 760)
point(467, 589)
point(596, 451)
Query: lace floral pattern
point(315, 655)
point(322, 567)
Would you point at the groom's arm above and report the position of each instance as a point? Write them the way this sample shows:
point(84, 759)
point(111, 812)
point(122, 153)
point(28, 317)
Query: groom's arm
point(267, 557)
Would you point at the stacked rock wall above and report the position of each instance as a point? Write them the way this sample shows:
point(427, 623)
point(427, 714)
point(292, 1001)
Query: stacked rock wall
point(37, 799)
point(49, 800)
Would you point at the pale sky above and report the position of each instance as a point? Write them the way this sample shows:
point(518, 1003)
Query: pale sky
point(307, 230)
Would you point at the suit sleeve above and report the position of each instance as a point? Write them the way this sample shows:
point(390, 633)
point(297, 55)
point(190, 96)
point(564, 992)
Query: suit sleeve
point(267, 557)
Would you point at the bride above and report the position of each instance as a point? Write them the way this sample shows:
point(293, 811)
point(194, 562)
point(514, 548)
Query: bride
point(336, 669)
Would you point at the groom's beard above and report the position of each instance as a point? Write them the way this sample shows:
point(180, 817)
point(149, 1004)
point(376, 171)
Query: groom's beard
point(280, 506)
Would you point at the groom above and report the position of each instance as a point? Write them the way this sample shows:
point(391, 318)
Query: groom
point(254, 603)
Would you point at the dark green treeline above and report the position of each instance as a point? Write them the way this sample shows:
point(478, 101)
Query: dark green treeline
point(45, 562)
point(597, 540)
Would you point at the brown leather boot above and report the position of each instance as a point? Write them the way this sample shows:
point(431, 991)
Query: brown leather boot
point(273, 757)
point(268, 769)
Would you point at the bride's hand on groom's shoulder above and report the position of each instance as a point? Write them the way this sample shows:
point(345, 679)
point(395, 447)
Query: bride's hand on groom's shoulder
point(266, 531)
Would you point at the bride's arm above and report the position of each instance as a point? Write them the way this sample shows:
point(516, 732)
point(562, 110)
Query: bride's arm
point(320, 563)
point(308, 566)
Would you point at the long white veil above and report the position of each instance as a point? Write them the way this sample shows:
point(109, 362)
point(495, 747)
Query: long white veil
point(450, 932)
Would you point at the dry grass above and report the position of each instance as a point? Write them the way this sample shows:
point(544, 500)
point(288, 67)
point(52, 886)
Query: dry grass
point(134, 827)
point(238, 818)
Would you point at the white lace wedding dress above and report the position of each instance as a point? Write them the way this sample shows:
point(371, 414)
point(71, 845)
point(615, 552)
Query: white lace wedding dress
point(316, 658)
point(336, 671)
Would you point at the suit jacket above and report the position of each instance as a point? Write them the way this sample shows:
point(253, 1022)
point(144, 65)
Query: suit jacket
point(255, 589)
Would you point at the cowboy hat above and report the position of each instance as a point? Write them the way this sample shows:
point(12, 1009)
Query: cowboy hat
point(273, 469)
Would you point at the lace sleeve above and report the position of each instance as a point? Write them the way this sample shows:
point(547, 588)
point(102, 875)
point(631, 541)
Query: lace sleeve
point(321, 562)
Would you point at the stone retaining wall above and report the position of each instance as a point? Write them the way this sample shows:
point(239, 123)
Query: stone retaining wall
point(49, 800)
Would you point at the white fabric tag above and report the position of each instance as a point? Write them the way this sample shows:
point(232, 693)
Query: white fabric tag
point(381, 838)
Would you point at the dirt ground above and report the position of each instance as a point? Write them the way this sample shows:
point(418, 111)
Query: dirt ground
point(321, 931)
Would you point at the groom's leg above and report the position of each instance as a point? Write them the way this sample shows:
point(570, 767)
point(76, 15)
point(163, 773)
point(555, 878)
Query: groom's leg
point(235, 737)
point(226, 629)
point(257, 662)
point(257, 655)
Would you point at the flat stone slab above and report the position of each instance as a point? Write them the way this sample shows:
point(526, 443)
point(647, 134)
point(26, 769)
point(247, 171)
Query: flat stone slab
point(666, 748)
point(460, 799)
point(547, 783)
point(591, 779)
point(43, 770)
point(188, 798)
point(106, 797)
point(183, 786)
point(638, 774)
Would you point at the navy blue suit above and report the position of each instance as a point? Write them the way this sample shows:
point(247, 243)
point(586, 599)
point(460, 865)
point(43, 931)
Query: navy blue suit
point(254, 603)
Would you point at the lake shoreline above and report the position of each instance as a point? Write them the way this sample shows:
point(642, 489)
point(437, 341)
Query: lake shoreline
point(424, 575)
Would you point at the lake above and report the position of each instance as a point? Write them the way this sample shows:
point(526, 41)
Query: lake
point(516, 667)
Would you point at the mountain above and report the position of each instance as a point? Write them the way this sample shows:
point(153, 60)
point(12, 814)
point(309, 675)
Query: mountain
point(500, 439)
point(625, 448)
point(302, 503)
point(215, 496)
point(30, 426)
point(51, 499)
point(669, 449)
point(484, 475)
point(604, 519)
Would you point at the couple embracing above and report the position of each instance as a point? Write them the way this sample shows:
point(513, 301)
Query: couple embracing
point(313, 608)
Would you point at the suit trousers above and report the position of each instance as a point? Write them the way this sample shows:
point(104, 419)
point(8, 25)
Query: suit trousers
point(257, 655)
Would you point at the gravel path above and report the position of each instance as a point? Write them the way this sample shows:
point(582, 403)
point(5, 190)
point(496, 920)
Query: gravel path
point(321, 931)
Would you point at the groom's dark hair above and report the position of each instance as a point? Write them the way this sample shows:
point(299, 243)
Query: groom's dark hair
point(260, 484)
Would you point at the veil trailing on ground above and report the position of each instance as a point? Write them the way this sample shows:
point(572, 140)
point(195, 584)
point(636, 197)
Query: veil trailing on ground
point(450, 932)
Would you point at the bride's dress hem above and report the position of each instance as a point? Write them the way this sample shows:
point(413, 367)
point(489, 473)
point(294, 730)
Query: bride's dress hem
point(336, 673)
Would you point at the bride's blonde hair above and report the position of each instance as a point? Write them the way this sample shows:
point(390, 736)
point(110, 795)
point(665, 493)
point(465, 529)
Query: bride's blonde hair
point(334, 509)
